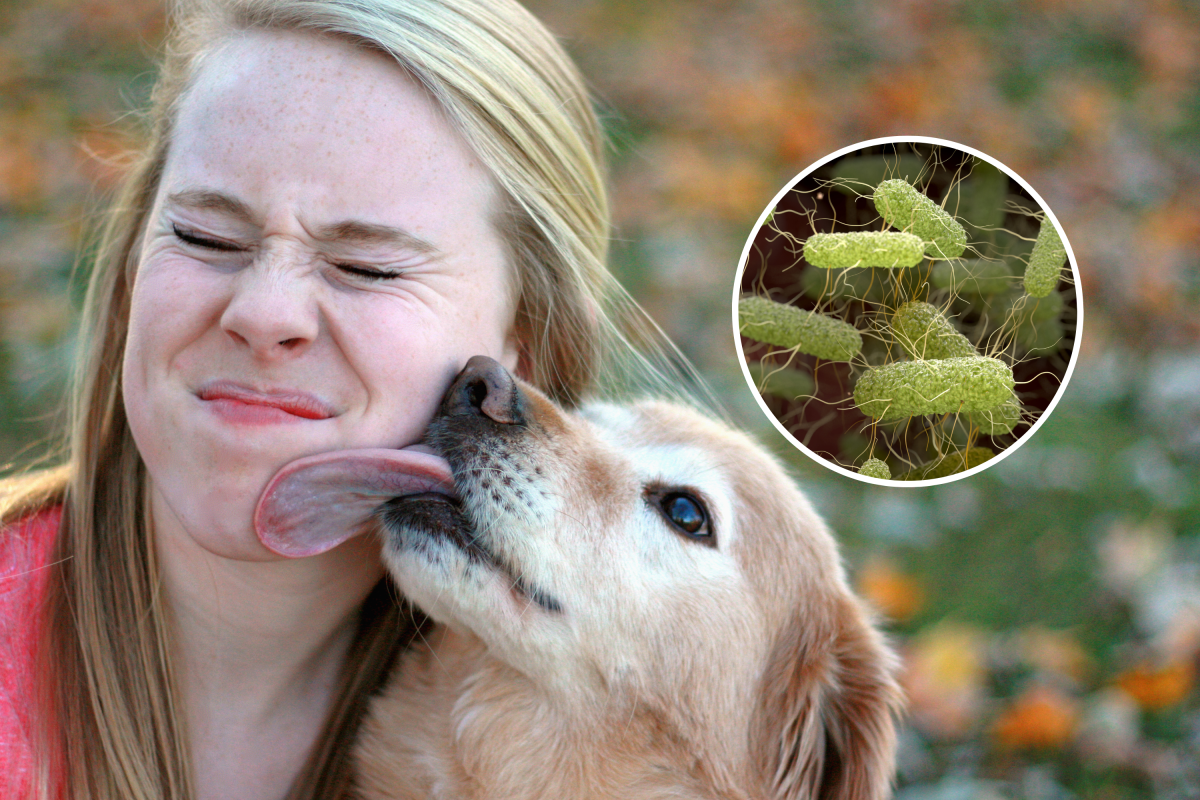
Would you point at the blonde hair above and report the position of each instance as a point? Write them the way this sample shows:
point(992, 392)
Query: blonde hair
point(519, 102)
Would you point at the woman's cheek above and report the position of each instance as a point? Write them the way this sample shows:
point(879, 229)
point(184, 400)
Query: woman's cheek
point(172, 308)
point(405, 361)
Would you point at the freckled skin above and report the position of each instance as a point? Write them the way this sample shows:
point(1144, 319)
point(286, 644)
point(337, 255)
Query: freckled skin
point(304, 133)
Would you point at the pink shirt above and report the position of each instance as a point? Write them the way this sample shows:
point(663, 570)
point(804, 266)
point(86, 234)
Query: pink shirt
point(25, 549)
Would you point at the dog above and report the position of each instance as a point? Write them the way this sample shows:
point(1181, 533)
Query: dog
point(632, 602)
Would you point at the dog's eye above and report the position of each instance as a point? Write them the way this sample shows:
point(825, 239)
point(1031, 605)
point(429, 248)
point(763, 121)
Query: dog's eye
point(686, 514)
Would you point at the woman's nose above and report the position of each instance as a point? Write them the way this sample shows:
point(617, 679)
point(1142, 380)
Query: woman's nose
point(271, 312)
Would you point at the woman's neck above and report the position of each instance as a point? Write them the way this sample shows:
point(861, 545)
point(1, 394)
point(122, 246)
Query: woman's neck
point(258, 647)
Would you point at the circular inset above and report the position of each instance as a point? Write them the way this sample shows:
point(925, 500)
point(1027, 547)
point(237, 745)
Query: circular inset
point(903, 313)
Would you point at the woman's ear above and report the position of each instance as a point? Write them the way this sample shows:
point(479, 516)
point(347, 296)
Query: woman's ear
point(826, 719)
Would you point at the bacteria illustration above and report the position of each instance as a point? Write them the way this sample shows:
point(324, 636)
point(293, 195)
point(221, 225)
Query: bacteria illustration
point(933, 386)
point(875, 468)
point(906, 209)
point(907, 311)
point(925, 333)
point(863, 249)
point(1046, 262)
point(959, 461)
point(805, 331)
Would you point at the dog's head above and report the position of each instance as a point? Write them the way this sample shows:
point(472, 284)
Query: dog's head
point(642, 557)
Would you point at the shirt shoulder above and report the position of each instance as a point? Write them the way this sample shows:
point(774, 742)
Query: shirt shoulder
point(25, 547)
point(25, 552)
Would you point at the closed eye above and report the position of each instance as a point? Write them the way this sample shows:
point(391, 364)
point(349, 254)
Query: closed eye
point(188, 236)
point(367, 272)
point(684, 512)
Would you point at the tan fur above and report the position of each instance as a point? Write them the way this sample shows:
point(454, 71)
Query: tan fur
point(673, 670)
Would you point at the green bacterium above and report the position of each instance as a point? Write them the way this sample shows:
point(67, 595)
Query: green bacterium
point(906, 209)
point(925, 333)
point(943, 386)
point(952, 464)
point(863, 249)
point(1045, 262)
point(875, 468)
point(999, 420)
point(784, 325)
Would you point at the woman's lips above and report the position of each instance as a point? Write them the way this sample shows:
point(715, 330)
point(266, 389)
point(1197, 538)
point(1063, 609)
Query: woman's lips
point(238, 403)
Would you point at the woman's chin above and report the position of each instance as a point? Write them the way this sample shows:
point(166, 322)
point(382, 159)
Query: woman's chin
point(205, 516)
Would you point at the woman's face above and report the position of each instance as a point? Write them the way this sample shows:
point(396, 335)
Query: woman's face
point(320, 262)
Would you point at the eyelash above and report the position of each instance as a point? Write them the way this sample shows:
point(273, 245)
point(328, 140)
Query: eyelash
point(369, 274)
point(188, 237)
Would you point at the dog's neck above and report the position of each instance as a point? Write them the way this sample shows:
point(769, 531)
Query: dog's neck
point(498, 735)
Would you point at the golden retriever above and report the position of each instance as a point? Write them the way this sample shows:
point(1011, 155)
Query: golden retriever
point(634, 602)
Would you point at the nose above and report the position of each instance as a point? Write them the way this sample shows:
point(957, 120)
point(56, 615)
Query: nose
point(485, 389)
point(272, 314)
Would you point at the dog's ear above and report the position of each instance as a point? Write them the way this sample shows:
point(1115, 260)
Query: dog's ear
point(825, 725)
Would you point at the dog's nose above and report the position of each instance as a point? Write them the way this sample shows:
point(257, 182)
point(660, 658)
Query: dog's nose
point(485, 388)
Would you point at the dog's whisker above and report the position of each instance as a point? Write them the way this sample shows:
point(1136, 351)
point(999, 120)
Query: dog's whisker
point(433, 651)
point(565, 515)
point(482, 470)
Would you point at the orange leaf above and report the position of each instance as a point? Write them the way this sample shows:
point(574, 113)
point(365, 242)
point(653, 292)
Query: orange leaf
point(1158, 687)
point(897, 595)
point(1042, 717)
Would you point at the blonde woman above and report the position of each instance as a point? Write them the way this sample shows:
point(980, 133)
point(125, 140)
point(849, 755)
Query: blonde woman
point(339, 203)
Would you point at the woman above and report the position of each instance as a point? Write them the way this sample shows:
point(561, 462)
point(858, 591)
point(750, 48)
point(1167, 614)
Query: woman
point(340, 203)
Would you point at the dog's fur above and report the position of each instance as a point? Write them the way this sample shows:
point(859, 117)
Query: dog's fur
point(586, 648)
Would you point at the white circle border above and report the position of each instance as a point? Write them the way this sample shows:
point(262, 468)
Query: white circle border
point(737, 293)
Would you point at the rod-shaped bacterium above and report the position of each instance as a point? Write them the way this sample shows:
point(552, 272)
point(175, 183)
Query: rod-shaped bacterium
point(924, 332)
point(999, 420)
point(863, 249)
point(784, 325)
point(943, 386)
point(906, 209)
point(1045, 262)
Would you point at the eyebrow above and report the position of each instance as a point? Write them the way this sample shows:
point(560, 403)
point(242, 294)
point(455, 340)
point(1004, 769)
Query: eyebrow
point(372, 233)
point(212, 201)
point(353, 231)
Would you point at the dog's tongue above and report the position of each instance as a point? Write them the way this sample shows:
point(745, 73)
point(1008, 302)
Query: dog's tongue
point(314, 504)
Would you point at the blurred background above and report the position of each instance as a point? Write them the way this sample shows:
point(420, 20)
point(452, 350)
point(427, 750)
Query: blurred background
point(1048, 610)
